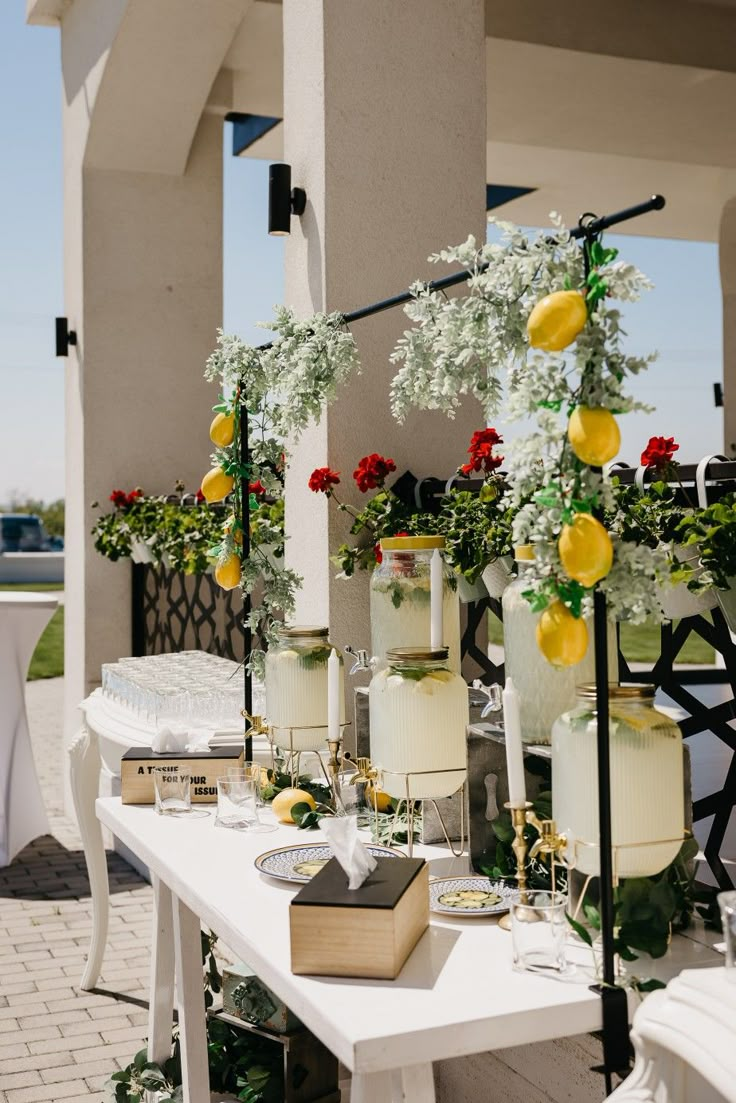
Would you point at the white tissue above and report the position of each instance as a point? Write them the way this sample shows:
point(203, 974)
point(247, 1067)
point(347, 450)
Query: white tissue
point(342, 835)
point(174, 737)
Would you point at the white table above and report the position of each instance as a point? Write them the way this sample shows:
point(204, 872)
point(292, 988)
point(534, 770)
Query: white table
point(108, 730)
point(456, 995)
point(23, 617)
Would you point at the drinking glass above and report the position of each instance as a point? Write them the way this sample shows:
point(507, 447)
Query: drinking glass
point(538, 932)
point(172, 790)
point(727, 904)
point(236, 802)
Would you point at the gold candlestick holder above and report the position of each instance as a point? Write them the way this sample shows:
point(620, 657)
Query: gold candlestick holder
point(520, 847)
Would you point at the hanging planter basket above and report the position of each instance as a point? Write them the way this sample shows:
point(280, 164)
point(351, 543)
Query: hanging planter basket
point(470, 591)
point(677, 601)
point(497, 576)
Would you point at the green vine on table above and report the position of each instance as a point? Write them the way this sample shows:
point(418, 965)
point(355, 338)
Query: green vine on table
point(241, 1063)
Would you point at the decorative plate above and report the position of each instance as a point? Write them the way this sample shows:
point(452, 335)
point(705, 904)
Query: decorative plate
point(300, 863)
point(469, 896)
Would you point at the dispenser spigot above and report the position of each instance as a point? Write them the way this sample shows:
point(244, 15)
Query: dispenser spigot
point(363, 660)
point(550, 841)
point(257, 725)
point(493, 693)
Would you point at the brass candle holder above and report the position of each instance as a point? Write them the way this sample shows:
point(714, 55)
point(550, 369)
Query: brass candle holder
point(519, 813)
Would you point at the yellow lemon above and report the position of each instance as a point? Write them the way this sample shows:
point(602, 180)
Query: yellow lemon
point(227, 574)
point(378, 799)
point(561, 637)
point(222, 430)
point(556, 320)
point(216, 485)
point(585, 548)
point(594, 435)
point(284, 801)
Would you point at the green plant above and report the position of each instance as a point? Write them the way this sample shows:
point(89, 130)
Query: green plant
point(476, 528)
point(241, 1063)
point(713, 529)
point(652, 518)
point(647, 910)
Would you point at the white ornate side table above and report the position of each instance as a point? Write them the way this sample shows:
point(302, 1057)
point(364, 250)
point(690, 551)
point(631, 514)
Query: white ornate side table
point(685, 1042)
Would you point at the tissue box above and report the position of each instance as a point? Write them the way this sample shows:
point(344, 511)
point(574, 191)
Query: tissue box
point(366, 932)
point(136, 771)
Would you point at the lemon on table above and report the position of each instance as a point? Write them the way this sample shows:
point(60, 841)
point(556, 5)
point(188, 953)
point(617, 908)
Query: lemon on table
point(556, 320)
point(594, 435)
point(585, 549)
point(216, 485)
point(227, 574)
point(284, 801)
point(222, 430)
point(561, 637)
point(378, 799)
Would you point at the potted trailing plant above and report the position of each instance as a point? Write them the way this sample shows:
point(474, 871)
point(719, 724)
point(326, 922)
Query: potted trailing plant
point(651, 515)
point(712, 531)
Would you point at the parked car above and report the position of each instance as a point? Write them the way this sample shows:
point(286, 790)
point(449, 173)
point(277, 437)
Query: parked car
point(23, 532)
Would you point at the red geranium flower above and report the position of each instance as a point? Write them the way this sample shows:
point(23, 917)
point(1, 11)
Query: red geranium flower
point(119, 499)
point(481, 452)
point(372, 470)
point(257, 488)
point(323, 479)
point(659, 452)
point(200, 497)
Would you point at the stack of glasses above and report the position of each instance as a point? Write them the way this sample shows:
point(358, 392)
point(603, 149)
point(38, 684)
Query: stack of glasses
point(188, 687)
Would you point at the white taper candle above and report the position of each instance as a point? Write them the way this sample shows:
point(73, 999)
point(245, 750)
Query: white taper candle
point(514, 746)
point(436, 632)
point(333, 696)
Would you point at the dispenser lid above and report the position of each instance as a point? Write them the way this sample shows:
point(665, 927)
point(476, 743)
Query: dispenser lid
point(524, 553)
point(315, 631)
point(417, 654)
point(412, 543)
point(618, 692)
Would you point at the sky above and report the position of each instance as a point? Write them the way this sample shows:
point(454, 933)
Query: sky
point(681, 317)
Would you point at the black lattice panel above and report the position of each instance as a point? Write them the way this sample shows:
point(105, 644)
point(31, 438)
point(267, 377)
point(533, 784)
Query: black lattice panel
point(178, 612)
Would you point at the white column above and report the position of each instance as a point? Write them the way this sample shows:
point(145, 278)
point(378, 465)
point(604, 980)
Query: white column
point(385, 128)
point(727, 260)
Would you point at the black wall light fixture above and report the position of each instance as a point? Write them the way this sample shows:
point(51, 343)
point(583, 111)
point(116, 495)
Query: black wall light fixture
point(283, 200)
point(64, 337)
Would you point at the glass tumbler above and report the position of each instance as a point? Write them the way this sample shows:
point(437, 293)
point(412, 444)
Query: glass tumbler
point(727, 904)
point(538, 932)
point(172, 787)
point(236, 802)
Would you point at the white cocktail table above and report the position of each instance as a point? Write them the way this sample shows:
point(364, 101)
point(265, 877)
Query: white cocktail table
point(23, 617)
point(456, 995)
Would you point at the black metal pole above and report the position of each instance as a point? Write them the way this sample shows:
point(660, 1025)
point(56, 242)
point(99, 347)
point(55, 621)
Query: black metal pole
point(244, 459)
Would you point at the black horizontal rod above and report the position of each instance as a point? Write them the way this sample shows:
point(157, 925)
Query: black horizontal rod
point(588, 229)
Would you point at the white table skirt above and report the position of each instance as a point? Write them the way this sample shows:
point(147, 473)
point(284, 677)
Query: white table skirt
point(23, 617)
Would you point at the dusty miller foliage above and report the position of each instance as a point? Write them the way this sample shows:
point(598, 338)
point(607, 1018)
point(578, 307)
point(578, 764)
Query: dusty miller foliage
point(283, 389)
point(466, 345)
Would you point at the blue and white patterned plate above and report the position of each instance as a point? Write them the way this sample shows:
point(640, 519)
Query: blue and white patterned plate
point(301, 862)
point(469, 896)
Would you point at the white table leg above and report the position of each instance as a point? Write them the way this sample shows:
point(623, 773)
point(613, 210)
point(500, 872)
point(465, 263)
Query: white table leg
point(372, 1087)
point(190, 1001)
point(84, 772)
point(417, 1084)
point(161, 1000)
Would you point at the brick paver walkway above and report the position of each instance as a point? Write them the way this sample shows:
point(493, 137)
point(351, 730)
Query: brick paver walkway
point(57, 1042)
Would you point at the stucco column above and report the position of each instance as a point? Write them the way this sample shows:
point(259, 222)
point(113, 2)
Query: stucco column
point(144, 292)
point(385, 128)
point(727, 261)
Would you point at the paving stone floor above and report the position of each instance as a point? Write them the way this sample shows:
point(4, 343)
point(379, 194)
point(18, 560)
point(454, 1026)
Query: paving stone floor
point(57, 1042)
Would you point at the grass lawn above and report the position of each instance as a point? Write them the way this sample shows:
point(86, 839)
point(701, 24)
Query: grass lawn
point(48, 658)
point(639, 643)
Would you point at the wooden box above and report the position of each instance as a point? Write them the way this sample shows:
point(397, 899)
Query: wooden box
point(365, 932)
point(137, 764)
